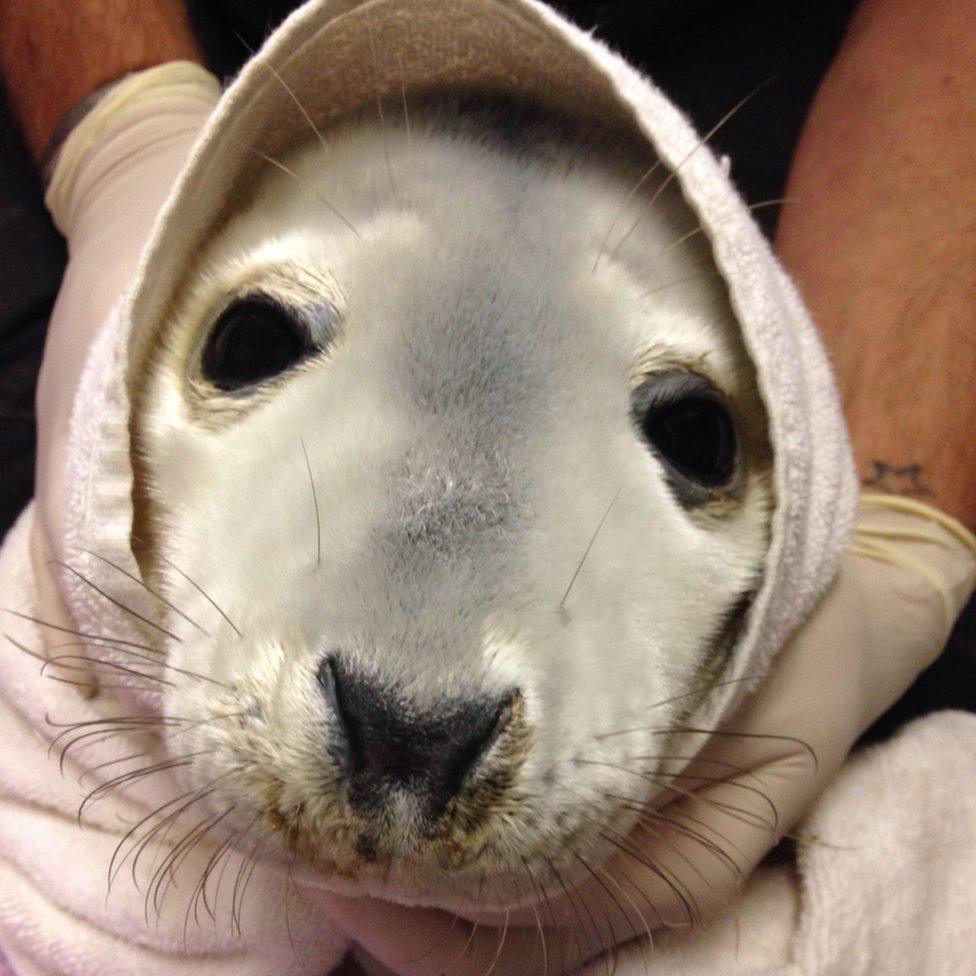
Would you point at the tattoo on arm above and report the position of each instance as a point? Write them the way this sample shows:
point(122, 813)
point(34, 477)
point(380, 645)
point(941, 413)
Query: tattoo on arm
point(897, 479)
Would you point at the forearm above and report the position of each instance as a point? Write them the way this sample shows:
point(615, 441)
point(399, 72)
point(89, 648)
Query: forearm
point(882, 242)
point(55, 52)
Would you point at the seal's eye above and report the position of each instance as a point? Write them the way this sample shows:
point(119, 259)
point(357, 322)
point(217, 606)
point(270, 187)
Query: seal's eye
point(254, 338)
point(688, 423)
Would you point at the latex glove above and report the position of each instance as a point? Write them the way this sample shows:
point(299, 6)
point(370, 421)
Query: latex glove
point(902, 584)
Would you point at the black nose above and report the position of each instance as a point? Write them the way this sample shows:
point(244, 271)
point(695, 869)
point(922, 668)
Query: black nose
point(384, 741)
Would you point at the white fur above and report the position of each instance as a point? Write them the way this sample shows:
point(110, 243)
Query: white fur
point(480, 382)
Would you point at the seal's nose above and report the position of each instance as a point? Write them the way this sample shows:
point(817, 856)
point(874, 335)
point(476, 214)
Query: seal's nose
point(384, 741)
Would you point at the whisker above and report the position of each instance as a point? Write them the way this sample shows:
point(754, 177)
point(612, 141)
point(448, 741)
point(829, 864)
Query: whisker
point(433, 948)
point(642, 893)
point(406, 111)
point(79, 633)
point(695, 692)
point(581, 954)
point(673, 175)
point(201, 591)
point(193, 901)
point(543, 897)
point(711, 847)
point(639, 913)
point(238, 839)
point(501, 945)
point(722, 781)
point(699, 229)
point(164, 738)
point(100, 685)
point(648, 173)
point(379, 108)
point(589, 546)
point(733, 811)
point(112, 666)
point(161, 881)
point(464, 949)
point(289, 881)
point(241, 882)
point(313, 190)
point(104, 789)
point(135, 719)
point(686, 899)
point(542, 940)
point(148, 589)
point(682, 281)
point(606, 913)
point(657, 835)
point(748, 735)
point(114, 602)
point(154, 662)
point(315, 503)
point(99, 734)
point(200, 890)
point(115, 865)
point(247, 883)
point(642, 810)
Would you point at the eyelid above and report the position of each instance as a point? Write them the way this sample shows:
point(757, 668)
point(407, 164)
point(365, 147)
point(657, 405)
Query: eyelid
point(670, 385)
point(321, 320)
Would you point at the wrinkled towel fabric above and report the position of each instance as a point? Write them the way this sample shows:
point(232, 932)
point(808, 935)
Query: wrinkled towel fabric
point(333, 55)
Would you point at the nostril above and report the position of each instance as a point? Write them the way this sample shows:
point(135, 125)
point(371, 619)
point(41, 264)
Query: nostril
point(479, 730)
point(351, 740)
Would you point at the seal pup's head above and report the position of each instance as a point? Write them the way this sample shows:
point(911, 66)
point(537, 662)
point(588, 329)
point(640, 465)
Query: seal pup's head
point(482, 494)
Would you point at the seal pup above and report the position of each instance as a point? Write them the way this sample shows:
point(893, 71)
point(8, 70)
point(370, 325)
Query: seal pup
point(458, 432)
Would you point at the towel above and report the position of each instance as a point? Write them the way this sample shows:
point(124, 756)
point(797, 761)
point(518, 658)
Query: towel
point(333, 55)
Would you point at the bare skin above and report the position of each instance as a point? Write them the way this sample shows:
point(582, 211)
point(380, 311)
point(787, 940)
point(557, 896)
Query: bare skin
point(882, 242)
point(55, 52)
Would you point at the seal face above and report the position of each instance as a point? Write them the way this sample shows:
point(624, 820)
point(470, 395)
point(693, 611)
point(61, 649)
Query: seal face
point(457, 431)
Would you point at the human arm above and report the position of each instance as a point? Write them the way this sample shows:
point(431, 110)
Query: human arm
point(54, 53)
point(882, 243)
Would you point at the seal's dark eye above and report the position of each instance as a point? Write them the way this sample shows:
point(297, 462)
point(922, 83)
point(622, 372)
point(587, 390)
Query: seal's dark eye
point(254, 338)
point(688, 423)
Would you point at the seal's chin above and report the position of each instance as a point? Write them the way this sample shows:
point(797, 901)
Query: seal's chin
point(418, 882)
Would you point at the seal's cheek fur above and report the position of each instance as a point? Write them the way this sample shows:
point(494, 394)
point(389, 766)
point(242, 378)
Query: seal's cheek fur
point(446, 496)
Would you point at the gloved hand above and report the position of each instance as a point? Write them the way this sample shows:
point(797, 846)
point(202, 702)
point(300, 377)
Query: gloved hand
point(906, 576)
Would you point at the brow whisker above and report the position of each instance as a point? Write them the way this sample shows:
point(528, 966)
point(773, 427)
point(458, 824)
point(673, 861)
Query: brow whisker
point(315, 503)
point(589, 546)
point(318, 194)
point(673, 175)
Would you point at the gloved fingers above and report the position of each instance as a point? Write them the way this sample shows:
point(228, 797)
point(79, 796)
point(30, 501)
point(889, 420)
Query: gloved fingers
point(916, 569)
